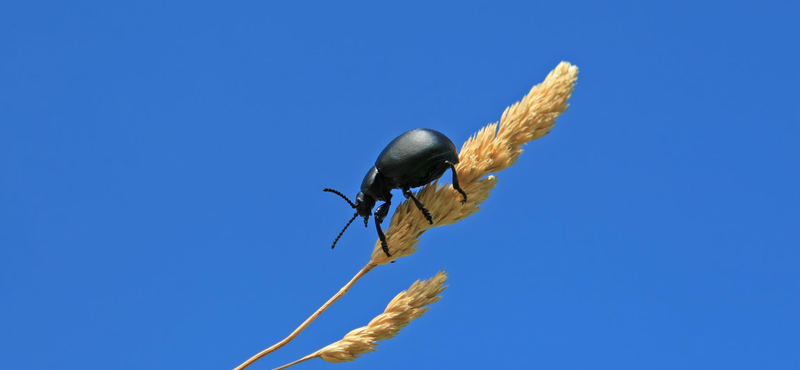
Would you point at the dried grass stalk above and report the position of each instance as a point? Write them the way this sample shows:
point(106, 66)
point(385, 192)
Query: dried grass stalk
point(406, 306)
point(308, 321)
point(494, 148)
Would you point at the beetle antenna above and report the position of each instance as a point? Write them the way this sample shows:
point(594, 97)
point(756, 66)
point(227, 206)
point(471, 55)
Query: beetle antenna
point(345, 228)
point(344, 197)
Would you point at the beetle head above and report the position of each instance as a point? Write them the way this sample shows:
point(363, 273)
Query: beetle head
point(364, 205)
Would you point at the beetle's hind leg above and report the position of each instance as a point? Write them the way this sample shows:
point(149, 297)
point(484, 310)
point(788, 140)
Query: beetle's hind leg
point(407, 193)
point(455, 181)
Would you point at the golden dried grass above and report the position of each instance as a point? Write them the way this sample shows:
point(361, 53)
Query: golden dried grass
point(493, 148)
point(406, 306)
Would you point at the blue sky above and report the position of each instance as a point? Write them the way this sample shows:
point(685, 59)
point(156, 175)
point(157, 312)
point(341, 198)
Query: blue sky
point(161, 168)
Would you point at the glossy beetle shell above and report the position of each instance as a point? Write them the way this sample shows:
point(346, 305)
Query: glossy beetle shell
point(416, 158)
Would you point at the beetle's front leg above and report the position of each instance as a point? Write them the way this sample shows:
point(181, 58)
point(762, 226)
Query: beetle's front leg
point(409, 195)
point(380, 214)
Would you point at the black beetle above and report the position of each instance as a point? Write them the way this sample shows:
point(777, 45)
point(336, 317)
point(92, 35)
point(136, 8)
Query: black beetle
point(413, 159)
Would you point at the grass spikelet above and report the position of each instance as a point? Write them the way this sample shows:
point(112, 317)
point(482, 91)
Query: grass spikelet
point(493, 148)
point(406, 306)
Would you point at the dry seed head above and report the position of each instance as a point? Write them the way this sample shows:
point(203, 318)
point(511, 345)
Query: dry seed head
point(401, 310)
point(494, 148)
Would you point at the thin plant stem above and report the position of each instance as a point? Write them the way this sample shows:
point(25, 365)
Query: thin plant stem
point(302, 326)
point(313, 355)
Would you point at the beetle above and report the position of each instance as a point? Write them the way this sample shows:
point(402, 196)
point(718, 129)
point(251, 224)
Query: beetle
point(413, 159)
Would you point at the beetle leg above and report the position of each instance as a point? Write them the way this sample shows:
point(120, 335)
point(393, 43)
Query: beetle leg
point(407, 193)
point(380, 214)
point(455, 181)
point(382, 211)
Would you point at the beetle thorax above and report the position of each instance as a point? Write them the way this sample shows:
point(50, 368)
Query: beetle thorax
point(374, 186)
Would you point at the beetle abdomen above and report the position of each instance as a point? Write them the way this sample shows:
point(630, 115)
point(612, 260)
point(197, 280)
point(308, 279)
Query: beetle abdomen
point(416, 158)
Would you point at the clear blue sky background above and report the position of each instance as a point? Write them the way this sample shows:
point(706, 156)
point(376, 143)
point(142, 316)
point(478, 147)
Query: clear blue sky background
point(161, 168)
